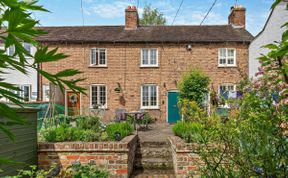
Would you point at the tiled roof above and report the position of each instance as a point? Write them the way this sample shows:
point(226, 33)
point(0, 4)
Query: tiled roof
point(151, 34)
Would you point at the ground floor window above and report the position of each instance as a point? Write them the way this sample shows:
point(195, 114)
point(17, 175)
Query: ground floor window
point(227, 91)
point(98, 95)
point(45, 92)
point(24, 92)
point(149, 96)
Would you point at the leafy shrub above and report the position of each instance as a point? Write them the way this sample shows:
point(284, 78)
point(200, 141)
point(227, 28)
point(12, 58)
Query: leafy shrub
point(124, 128)
point(86, 171)
point(191, 111)
point(33, 172)
point(189, 131)
point(193, 86)
point(89, 122)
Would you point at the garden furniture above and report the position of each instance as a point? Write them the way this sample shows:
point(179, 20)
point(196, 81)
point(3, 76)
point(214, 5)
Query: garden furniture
point(136, 116)
point(120, 115)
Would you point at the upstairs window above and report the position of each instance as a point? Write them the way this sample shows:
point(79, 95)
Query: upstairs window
point(227, 57)
point(149, 96)
point(98, 57)
point(149, 58)
point(98, 95)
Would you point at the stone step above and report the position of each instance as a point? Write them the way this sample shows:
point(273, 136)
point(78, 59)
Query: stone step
point(154, 144)
point(154, 163)
point(153, 152)
point(140, 173)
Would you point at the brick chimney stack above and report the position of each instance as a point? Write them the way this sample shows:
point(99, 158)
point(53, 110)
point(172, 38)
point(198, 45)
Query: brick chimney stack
point(237, 17)
point(131, 18)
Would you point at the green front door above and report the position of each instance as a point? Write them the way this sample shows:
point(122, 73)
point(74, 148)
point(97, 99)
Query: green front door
point(173, 110)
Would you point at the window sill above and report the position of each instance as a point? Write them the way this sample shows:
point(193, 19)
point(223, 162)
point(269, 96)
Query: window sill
point(91, 108)
point(150, 108)
point(149, 66)
point(227, 66)
point(92, 66)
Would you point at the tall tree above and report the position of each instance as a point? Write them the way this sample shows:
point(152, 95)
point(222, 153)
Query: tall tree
point(151, 16)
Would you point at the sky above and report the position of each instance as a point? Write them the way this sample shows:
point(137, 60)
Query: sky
point(111, 12)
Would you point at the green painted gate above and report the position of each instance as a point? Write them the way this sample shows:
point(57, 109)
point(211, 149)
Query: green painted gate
point(173, 110)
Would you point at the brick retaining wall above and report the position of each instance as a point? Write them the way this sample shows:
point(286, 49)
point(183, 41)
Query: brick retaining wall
point(116, 157)
point(186, 160)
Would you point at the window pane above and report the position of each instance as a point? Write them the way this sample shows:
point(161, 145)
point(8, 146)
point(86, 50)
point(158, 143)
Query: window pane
point(153, 94)
point(145, 96)
point(26, 93)
point(11, 51)
point(27, 47)
point(222, 60)
point(223, 52)
point(230, 52)
point(102, 95)
point(222, 88)
point(153, 56)
point(145, 56)
point(94, 97)
point(230, 60)
point(102, 57)
point(230, 88)
point(93, 56)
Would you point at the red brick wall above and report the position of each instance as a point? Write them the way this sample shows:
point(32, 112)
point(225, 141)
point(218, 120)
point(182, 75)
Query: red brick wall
point(116, 157)
point(186, 160)
point(238, 16)
point(123, 66)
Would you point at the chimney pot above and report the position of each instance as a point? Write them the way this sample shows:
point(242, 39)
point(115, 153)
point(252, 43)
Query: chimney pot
point(237, 17)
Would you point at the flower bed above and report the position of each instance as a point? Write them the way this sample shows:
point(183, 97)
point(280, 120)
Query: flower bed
point(116, 157)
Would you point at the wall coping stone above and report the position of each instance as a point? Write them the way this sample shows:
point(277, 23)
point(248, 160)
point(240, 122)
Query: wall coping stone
point(111, 146)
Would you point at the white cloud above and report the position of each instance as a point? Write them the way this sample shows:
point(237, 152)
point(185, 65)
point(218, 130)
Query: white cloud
point(108, 10)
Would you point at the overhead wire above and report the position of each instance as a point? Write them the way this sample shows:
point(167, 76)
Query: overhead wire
point(177, 12)
point(82, 12)
point(215, 1)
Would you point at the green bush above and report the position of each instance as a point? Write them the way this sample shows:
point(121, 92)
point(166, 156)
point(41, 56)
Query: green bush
point(89, 122)
point(189, 131)
point(124, 128)
point(194, 86)
point(86, 171)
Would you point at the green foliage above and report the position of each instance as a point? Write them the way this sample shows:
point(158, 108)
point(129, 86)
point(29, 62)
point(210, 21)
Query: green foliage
point(189, 131)
point(18, 27)
point(88, 129)
point(33, 172)
point(151, 16)
point(124, 128)
point(191, 111)
point(193, 86)
point(89, 122)
point(86, 171)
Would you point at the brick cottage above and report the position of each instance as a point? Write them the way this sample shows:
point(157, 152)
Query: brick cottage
point(138, 67)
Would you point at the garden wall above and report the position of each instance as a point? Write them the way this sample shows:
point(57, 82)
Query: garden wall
point(186, 160)
point(116, 157)
point(24, 148)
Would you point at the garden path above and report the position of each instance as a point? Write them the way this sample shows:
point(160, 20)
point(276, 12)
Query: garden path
point(153, 155)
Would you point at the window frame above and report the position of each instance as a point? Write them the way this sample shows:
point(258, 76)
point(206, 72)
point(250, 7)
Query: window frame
point(22, 92)
point(98, 97)
point(149, 98)
point(227, 57)
point(149, 58)
point(226, 86)
point(97, 65)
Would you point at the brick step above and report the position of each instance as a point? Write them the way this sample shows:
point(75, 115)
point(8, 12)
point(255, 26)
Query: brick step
point(140, 173)
point(153, 152)
point(154, 163)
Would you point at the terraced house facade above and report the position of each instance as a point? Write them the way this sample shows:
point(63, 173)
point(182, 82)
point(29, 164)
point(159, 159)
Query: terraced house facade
point(138, 67)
